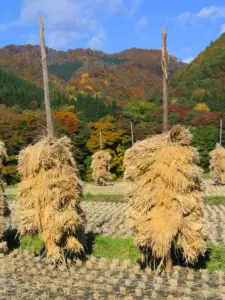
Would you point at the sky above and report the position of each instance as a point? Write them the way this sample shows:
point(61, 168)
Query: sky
point(114, 25)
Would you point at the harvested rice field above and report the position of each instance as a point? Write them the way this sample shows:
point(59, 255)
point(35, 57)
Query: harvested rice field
point(110, 270)
point(24, 276)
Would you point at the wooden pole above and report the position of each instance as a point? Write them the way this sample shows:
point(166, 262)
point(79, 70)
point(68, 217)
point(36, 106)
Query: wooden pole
point(165, 81)
point(132, 132)
point(100, 137)
point(221, 130)
point(45, 81)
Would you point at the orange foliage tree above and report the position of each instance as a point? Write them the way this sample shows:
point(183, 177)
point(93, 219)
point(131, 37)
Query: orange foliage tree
point(68, 121)
point(114, 140)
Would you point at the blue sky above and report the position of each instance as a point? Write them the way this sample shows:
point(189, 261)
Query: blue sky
point(114, 25)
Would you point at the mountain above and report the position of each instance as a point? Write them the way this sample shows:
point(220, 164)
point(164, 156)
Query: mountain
point(131, 74)
point(204, 79)
point(18, 92)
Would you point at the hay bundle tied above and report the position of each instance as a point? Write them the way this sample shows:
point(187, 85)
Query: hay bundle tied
point(50, 195)
point(217, 164)
point(3, 204)
point(101, 167)
point(166, 209)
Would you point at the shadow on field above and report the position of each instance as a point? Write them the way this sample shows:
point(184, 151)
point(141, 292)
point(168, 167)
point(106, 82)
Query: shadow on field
point(90, 242)
point(178, 260)
point(11, 236)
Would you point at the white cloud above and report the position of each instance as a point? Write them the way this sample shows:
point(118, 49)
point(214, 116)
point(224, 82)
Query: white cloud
point(67, 20)
point(222, 28)
point(189, 59)
point(97, 41)
point(32, 39)
point(184, 17)
point(143, 22)
point(212, 13)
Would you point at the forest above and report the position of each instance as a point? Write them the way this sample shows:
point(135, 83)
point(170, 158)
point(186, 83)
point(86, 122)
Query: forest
point(196, 97)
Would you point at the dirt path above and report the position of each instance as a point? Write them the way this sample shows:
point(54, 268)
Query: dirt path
point(121, 188)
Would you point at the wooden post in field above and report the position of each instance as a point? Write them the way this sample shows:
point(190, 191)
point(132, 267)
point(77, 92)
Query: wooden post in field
point(221, 130)
point(132, 132)
point(45, 81)
point(100, 138)
point(165, 81)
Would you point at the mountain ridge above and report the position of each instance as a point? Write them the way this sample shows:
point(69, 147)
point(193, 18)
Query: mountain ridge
point(132, 74)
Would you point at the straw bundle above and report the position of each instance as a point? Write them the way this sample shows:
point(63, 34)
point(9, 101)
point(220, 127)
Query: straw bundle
point(166, 209)
point(3, 204)
point(49, 195)
point(217, 164)
point(101, 166)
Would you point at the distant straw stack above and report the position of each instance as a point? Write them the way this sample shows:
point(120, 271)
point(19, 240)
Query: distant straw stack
point(50, 194)
point(3, 204)
point(164, 196)
point(101, 167)
point(217, 164)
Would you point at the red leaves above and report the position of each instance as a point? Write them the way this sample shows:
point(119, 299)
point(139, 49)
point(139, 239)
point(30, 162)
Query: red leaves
point(68, 120)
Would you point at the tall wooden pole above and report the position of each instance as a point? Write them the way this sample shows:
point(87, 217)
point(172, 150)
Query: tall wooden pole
point(221, 130)
point(165, 80)
point(100, 138)
point(45, 81)
point(132, 132)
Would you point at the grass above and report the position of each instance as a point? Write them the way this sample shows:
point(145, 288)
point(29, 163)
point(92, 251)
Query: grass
point(124, 248)
point(11, 196)
point(89, 197)
point(102, 197)
point(11, 186)
point(214, 200)
point(217, 258)
point(114, 247)
point(206, 176)
point(32, 243)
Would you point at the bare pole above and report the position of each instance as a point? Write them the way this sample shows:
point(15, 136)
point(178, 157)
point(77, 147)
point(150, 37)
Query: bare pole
point(100, 138)
point(165, 80)
point(221, 130)
point(45, 81)
point(132, 132)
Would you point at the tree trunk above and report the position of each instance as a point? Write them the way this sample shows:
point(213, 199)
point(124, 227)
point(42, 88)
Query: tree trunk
point(132, 132)
point(221, 130)
point(45, 81)
point(100, 138)
point(165, 81)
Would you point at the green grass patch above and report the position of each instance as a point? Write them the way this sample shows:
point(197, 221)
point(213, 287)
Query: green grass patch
point(124, 248)
point(32, 243)
point(206, 176)
point(11, 186)
point(214, 200)
point(114, 247)
point(217, 258)
point(102, 197)
point(11, 196)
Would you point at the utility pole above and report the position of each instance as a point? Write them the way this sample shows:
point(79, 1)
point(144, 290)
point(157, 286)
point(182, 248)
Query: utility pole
point(45, 81)
point(100, 137)
point(132, 132)
point(221, 130)
point(165, 80)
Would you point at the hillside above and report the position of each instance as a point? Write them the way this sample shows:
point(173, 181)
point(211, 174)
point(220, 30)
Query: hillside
point(16, 91)
point(130, 74)
point(204, 79)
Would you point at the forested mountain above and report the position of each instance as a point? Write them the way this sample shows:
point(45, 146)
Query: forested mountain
point(121, 77)
point(203, 81)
